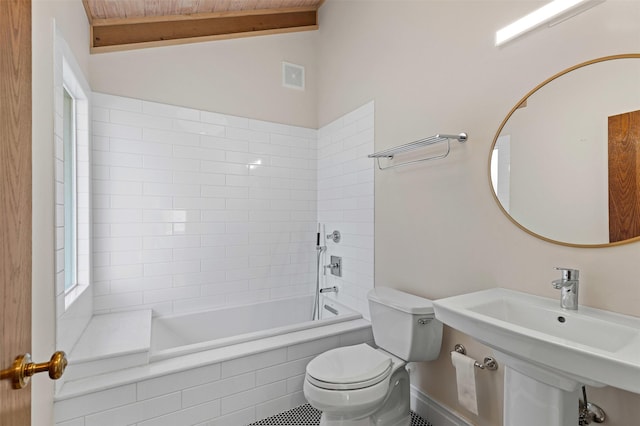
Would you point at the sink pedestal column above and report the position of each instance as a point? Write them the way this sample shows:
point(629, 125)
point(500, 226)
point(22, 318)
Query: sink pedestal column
point(529, 402)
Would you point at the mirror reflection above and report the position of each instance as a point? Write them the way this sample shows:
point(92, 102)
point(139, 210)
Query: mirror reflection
point(565, 164)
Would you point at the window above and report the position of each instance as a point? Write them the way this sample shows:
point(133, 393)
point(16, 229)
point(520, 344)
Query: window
point(73, 222)
point(70, 189)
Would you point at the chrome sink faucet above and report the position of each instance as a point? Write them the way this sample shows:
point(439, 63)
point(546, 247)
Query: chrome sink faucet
point(568, 285)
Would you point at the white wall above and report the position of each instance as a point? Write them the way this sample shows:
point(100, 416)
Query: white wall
point(431, 67)
point(73, 308)
point(194, 209)
point(239, 77)
point(72, 24)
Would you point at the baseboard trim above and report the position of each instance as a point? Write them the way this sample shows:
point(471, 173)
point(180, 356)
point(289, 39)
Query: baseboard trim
point(434, 412)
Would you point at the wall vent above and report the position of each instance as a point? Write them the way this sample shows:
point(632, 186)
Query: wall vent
point(293, 76)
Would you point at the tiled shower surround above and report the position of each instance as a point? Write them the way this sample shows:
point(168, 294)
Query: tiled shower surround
point(345, 202)
point(194, 209)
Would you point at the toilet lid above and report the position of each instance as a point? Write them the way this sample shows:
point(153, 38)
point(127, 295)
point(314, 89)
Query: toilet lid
point(349, 367)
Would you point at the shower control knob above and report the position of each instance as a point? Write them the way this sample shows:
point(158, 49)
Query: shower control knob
point(334, 236)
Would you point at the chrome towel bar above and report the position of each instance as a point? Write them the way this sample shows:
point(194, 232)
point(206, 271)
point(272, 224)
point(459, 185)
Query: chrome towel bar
point(489, 362)
point(439, 138)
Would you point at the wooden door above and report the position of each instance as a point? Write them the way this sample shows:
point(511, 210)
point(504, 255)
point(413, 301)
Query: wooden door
point(624, 176)
point(15, 201)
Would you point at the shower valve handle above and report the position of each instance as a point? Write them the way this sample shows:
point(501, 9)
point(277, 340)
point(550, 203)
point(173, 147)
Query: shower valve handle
point(329, 266)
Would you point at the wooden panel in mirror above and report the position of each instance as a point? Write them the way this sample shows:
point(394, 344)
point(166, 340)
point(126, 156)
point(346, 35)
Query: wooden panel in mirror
point(624, 176)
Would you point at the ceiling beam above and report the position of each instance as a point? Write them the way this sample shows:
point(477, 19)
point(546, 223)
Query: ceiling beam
point(133, 33)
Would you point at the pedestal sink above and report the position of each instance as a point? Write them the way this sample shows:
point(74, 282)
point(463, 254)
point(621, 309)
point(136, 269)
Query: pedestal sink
point(548, 352)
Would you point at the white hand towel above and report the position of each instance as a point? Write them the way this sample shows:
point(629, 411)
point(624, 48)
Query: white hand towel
point(465, 380)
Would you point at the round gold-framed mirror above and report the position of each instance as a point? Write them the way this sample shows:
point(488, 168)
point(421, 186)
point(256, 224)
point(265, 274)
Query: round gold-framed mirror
point(564, 165)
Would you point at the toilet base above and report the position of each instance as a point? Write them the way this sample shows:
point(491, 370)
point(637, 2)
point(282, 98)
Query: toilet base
point(394, 411)
point(363, 422)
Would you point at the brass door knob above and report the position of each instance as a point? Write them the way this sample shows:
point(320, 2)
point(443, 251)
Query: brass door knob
point(22, 369)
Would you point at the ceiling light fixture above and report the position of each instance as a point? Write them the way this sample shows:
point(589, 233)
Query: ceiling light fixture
point(551, 13)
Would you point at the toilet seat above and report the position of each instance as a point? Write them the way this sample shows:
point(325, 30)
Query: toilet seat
point(349, 386)
point(349, 368)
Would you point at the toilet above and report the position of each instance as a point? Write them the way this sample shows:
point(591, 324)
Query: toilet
point(362, 386)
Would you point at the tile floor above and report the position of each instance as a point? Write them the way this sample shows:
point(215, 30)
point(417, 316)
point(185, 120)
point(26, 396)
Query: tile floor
point(306, 415)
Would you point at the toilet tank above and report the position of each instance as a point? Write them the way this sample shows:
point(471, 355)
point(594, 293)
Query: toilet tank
point(404, 324)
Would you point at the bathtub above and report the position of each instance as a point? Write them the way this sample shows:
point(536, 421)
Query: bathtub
point(183, 334)
point(246, 364)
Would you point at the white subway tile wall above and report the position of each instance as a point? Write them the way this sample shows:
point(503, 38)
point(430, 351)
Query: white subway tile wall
point(194, 209)
point(346, 203)
point(230, 393)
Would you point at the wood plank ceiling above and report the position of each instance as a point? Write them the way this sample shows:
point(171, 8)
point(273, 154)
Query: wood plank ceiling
point(132, 24)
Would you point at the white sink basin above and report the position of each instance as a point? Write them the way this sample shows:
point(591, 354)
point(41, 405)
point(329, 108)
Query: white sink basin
point(589, 346)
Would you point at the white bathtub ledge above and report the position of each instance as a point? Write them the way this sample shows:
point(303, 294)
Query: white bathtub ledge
point(111, 342)
point(108, 335)
point(75, 388)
